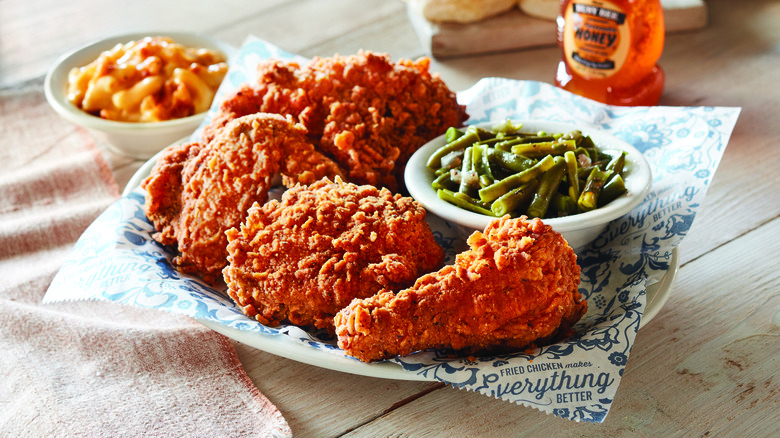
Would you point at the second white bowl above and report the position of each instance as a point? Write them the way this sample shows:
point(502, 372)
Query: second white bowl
point(579, 229)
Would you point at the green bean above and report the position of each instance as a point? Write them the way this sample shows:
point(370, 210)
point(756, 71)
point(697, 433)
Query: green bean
point(491, 141)
point(466, 170)
point(575, 135)
point(463, 201)
point(602, 160)
point(482, 133)
point(581, 151)
point(612, 190)
point(481, 164)
point(507, 128)
point(440, 180)
point(571, 167)
point(492, 192)
point(453, 134)
point(563, 204)
point(583, 172)
point(588, 199)
point(617, 163)
point(548, 186)
point(511, 200)
point(540, 149)
point(507, 145)
point(501, 136)
point(584, 141)
point(466, 139)
point(473, 134)
point(476, 158)
point(510, 161)
point(444, 181)
point(591, 153)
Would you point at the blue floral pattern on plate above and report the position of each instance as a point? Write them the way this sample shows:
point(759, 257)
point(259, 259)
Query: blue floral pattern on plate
point(117, 260)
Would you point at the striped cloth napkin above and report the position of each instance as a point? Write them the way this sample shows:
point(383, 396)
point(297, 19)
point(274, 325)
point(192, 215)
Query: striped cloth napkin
point(93, 368)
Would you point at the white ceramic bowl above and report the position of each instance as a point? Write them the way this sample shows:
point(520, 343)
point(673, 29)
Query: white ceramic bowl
point(579, 229)
point(138, 140)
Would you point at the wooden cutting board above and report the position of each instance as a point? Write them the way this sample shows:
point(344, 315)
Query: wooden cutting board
point(515, 30)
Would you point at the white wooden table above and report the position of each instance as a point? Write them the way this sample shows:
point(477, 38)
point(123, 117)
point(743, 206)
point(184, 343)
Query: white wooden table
point(705, 366)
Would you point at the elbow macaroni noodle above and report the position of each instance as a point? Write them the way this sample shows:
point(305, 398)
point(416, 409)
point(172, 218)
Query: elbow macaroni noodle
point(149, 80)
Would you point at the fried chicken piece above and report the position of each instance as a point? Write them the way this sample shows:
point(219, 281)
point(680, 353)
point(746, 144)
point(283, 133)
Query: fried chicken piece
point(365, 112)
point(515, 285)
point(164, 189)
point(305, 257)
point(196, 192)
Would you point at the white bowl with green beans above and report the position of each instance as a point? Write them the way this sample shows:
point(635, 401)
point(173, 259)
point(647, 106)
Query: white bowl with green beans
point(575, 178)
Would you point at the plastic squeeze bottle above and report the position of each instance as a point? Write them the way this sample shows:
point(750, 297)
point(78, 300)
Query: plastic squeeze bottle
point(611, 49)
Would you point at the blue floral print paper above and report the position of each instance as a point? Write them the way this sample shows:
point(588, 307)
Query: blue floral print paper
point(116, 259)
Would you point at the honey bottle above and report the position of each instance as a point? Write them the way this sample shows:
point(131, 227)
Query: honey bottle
point(611, 49)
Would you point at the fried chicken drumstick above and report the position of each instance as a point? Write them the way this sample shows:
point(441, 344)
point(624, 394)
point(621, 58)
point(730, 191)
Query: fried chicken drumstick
point(515, 285)
point(305, 257)
point(363, 111)
point(198, 191)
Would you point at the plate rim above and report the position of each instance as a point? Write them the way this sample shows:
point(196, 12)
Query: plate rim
point(289, 348)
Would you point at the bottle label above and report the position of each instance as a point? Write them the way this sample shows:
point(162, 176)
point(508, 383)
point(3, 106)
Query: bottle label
point(596, 38)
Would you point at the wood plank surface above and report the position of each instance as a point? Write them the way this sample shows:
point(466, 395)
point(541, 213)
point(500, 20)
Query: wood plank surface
point(34, 34)
point(516, 29)
point(318, 402)
point(717, 67)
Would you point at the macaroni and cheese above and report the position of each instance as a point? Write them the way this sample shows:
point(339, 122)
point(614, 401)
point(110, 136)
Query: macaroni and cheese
point(149, 80)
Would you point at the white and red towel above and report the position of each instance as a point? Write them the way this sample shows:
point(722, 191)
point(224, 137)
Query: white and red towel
point(94, 368)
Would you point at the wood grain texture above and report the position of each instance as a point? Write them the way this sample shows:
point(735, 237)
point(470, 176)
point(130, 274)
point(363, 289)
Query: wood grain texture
point(299, 25)
point(318, 402)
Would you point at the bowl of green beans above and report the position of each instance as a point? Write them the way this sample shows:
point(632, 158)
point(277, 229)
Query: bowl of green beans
point(575, 178)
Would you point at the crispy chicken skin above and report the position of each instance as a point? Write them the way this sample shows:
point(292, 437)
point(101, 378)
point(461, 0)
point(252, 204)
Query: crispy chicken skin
point(164, 188)
point(305, 257)
point(198, 191)
point(515, 285)
point(363, 111)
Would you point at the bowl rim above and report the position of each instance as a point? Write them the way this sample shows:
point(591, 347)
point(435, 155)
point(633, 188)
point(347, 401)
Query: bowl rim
point(418, 178)
point(55, 82)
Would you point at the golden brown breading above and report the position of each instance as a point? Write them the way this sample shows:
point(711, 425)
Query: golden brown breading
point(164, 188)
point(197, 192)
point(516, 285)
point(363, 111)
point(305, 257)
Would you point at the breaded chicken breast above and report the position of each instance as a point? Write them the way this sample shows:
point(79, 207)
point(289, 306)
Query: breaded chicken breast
point(198, 191)
point(366, 113)
point(303, 258)
point(515, 285)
